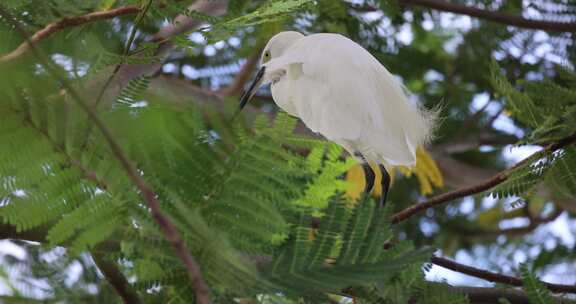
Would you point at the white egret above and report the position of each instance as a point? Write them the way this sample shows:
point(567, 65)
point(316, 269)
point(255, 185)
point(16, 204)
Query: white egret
point(338, 89)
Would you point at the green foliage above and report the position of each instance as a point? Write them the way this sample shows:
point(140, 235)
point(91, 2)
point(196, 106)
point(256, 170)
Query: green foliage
point(270, 12)
point(133, 91)
point(43, 185)
point(324, 185)
point(562, 177)
point(229, 199)
point(346, 250)
point(523, 179)
point(548, 108)
point(536, 291)
point(438, 294)
point(221, 28)
point(556, 170)
point(260, 208)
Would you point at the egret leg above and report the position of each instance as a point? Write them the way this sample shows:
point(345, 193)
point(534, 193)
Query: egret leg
point(385, 184)
point(369, 174)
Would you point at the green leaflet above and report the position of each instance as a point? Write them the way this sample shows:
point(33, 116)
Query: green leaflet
point(133, 91)
point(219, 29)
point(547, 107)
point(224, 197)
point(563, 175)
point(438, 294)
point(525, 178)
point(316, 262)
point(537, 293)
point(556, 170)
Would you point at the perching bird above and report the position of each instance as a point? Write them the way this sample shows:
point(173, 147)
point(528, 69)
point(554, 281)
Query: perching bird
point(338, 89)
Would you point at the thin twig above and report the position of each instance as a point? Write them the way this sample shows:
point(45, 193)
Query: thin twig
point(127, 48)
point(115, 277)
point(243, 75)
point(171, 233)
point(495, 277)
point(472, 120)
point(494, 117)
point(480, 187)
point(510, 232)
point(66, 23)
point(88, 174)
point(498, 17)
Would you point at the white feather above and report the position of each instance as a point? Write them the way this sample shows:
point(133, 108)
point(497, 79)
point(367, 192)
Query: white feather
point(341, 91)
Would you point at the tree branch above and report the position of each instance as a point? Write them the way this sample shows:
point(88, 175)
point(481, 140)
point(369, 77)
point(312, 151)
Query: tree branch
point(475, 233)
point(116, 279)
point(127, 72)
point(171, 233)
point(110, 271)
point(10, 232)
point(498, 17)
point(243, 75)
point(480, 187)
point(469, 143)
point(483, 295)
point(65, 23)
point(496, 277)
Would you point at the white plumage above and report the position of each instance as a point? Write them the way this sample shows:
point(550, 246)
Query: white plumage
point(341, 91)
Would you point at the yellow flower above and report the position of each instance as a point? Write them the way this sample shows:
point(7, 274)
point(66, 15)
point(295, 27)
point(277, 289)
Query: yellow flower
point(426, 171)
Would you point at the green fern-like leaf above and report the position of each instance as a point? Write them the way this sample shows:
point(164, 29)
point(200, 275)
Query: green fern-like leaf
point(520, 104)
point(545, 106)
point(537, 293)
point(525, 178)
point(134, 90)
point(562, 176)
point(325, 261)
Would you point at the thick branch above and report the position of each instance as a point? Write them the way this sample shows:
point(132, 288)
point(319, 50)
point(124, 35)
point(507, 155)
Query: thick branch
point(480, 187)
point(171, 233)
point(503, 18)
point(483, 295)
point(65, 23)
point(10, 232)
point(116, 279)
point(495, 277)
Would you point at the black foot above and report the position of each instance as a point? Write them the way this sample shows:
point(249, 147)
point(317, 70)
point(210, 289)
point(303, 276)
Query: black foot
point(385, 184)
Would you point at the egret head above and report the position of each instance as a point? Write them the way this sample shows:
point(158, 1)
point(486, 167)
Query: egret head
point(274, 49)
point(278, 44)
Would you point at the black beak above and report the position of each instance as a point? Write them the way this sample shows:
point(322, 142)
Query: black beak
point(248, 94)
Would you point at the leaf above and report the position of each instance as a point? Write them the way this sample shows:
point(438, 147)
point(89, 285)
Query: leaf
point(270, 12)
point(520, 105)
point(523, 179)
point(537, 293)
point(106, 5)
point(133, 91)
point(563, 174)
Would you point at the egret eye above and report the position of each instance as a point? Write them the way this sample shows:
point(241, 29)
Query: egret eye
point(266, 56)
